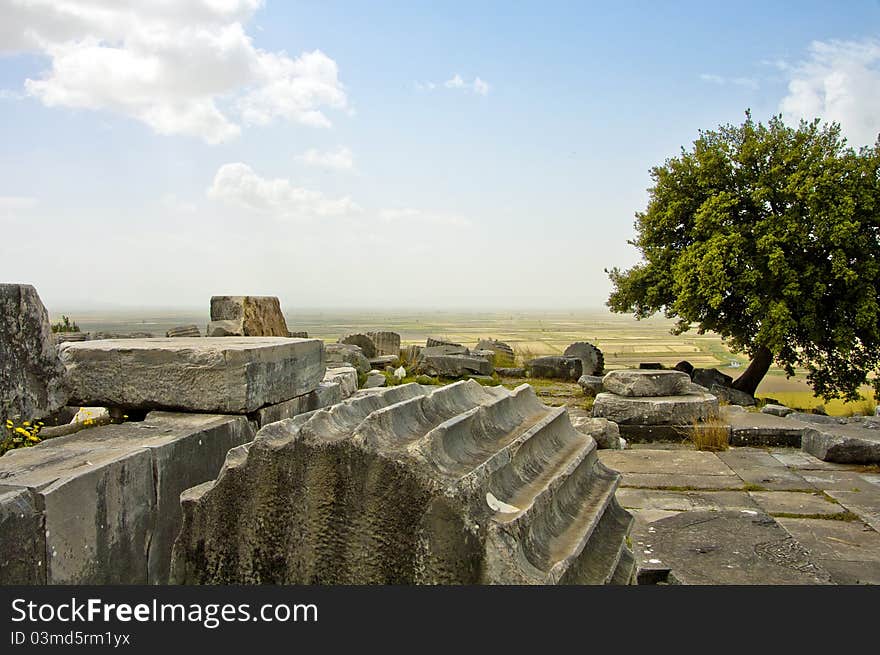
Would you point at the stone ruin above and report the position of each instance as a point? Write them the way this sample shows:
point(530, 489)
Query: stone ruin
point(579, 359)
point(457, 484)
point(184, 331)
point(32, 379)
point(652, 405)
point(100, 505)
point(246, 316)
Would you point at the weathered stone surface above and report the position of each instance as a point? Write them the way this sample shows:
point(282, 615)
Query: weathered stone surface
point(184, 331)
point(108, 497)
point(432, 341)
point(454, 366)
point(795, 502)
point(32, 378)
point(232, 375)
point(760, 429)
point(386, 343)
point(223, 329)
point(666, 410)
point(685, 367)
point(456, 484)
point(485, 354)
point(362, 341)
point(345, 376)
point(299, 335)
point(591, 384)
point(592, 359)
point(327, 393)
point(706, 377)
point(381, 361)
point(346, 354)
point(122, 335)
point(557, 368)
point(646, 383)
point(255, 316)
point(22, 537)
point(515, 372)
point(818, 419)
point(776, 410)
point(730, 547)
point(606, 433)
point(443, 349)
point(375, 379)
point(504, 355)
point(851, 444)
point(732, 396)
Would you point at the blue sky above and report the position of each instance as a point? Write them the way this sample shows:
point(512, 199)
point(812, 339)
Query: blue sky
point(382, 154)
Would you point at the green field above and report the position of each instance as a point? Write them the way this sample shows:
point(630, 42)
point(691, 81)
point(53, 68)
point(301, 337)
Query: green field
point(624, 341)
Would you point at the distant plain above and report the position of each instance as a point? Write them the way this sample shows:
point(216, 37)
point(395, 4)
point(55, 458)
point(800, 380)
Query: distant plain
point(625, 341)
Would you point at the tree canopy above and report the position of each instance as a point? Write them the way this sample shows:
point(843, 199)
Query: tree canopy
point(768, 235)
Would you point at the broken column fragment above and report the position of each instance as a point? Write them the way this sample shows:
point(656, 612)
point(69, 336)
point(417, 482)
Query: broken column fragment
point(410, 484)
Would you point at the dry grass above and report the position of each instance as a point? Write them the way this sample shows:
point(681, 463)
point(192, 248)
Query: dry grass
point(712, 436)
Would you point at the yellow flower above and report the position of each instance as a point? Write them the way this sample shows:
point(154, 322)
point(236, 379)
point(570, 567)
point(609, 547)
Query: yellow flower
point(26, 424)
point(22, 431)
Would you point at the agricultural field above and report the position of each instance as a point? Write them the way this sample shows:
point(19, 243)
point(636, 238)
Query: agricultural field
point(624, 341)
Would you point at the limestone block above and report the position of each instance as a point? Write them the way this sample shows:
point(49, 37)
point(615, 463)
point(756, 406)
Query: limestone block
point(232, 375)
point(32, 378)
point(664, 410)
point(646, 383)
point(255, 316)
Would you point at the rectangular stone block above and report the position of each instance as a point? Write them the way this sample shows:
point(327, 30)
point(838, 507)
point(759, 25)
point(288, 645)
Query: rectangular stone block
point(846, 444)
point(345, 376)
point(327, 393)
point(233, 375)
point(22, 537)
point(108, 497)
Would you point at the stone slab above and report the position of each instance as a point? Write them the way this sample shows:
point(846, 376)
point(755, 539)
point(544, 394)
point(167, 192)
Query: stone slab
point(681, 481)
point(843, 443)
point(850, 541)
point(838, 481)
point(760, 469)
point(345, 376)
point(646, 383)
point(793, 502)
point(662, 410)
point(110, 494)
point(738, 547)
point(758, 429)
point(682, 501)
point(865, 504)
point(327, 393)
point(686, 462)
point(22, 537)
point(227, 375)
point(799, 460)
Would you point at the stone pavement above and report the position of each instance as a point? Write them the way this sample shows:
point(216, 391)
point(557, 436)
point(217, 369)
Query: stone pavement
point(749, 516)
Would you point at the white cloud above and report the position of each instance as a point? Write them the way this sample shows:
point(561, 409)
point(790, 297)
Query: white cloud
point(180, 67)
point(341, 159)
point(477, 85)
point(418, 216)
point(839, 81)
point(238, 185)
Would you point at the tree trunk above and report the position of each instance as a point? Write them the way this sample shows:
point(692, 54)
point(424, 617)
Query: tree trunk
point(757, 369)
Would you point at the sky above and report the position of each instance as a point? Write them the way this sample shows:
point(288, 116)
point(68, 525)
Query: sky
point(370, 155)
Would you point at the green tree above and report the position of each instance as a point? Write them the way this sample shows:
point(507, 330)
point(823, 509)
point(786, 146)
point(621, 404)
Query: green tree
point(770, 236)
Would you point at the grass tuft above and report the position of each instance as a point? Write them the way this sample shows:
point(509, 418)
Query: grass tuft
point(712, 436)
